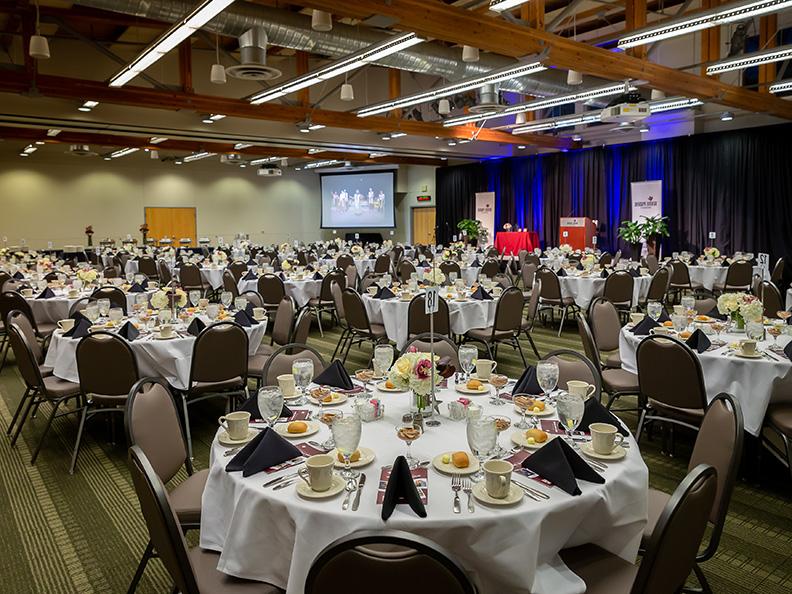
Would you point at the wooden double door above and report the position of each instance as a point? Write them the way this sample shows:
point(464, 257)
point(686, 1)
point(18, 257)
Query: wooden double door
point(423, 225)
point(173, 222)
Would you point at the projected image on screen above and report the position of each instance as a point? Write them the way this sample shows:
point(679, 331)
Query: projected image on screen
point(358, 200)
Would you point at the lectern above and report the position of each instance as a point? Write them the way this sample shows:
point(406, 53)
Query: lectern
point(579, 232)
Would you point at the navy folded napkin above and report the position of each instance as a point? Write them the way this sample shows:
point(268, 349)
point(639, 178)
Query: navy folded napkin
point(643, 327)
point(282, 276)
point(335, 376)
point(384, 293)
point(528, 384)
point(196, 326)
point(714, 313)
point(634, 272)
point(698, 341)
point(46, 294)
point(251, 262)
point(243, 319)
point(664, 317)
point(561, 272)
point(144, 283)
point(558, 463)
point(136, 288)
point(481, 294)
point(249, 309)
point(18, 275)
point(80, 329)
point(129, 331)
point(401, 486)
point(77, 316)
point(788, 350)
point(579, 266)
point(604, 273)
point(264, 451)
point(317, 276)
point(475, 263)
point(251, 405)
point(594, 412)
point(250, 275)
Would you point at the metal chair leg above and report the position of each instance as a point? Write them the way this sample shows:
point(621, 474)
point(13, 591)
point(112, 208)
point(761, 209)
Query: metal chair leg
point(533, 345)
point(78, 441)
point(46, 430)
point(5, 347)
point(640, 426)
point(147, 554)
point(563, 320)
point(187, 432)
point(22, 420)
point(319, 321)
point(19, 408)
point(519, 348)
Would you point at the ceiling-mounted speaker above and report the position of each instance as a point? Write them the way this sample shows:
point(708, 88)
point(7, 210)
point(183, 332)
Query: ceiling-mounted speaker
point(520, 118)
point(657, 94)
point(470, 53)
point(218, 75)
point(347, 92)
point(321, 21)
point(39, 47)
point(444, 107)
point(574, 78)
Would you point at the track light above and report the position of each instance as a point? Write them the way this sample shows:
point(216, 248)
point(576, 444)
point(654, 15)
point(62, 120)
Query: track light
point(197, 156)
point(781, 87)
point(398, 134)
point(470, 53)
point(347, 92)
point(520, 118)
point(727, 116)
point(265, 160)
point(501, 5)
point(218, 74)
point(753, 59)
point(321, 21)
point(317, 164)
point(157, 139)
point(657, 94)
point(574, 78)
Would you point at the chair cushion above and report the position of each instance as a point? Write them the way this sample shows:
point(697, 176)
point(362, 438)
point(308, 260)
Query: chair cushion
point(780, 415)
point(613, 360)
point(567, 301)
point(378, 330)
point(223, 386)
point(657, 503)
point(694, 415)
point(266, 350)
point(45, 370)
point(211, 581)
point(485, 334)
point(256, 364)
point(603, 572)
point(619, 380)
point(58, 388)
point(186, 497)
point(46, 328)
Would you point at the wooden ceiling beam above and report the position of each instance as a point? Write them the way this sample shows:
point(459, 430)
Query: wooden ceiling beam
point(434, 19)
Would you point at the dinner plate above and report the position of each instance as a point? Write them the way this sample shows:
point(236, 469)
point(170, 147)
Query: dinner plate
point(381, 387)
point(549, 410)
point(480, 492)
point(367, 456)
point(294, 396)
point(303, 490)
point(225, 440)
point(449, 468)
point(463, 389)
point(281, 429)
point(704, 319)
point(475, 376)
point(338, 398)
point(518, 438)
point(617, 454)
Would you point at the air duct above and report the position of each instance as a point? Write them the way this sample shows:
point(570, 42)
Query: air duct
point(293, 30)
point(253, 57)
point(488, 100)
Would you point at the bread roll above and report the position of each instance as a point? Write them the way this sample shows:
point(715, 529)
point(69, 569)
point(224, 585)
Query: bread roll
point(460, 459)
point(297, 427)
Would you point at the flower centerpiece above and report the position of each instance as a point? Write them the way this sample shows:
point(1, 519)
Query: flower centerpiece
point(711, 253)
point(434, 276)
point(588, 261)
point(414, 371)
point(86, 275)
point(356, 250)
point(565, 249)
point(286, 265)
point(741, 308)
point(169, 298)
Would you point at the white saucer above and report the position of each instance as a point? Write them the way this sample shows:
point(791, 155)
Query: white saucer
point(549, 410)
point(617, 454)
point(281, 429)
point(161, 337)
point(463, 389)
point(303, 490)
point(381, 387)
point(475, 376)
point(338, 398)
point(440, 466)
point(480, 492)
point(756, 355)
point(225, 440)
point(518, 438)
point(367, 456)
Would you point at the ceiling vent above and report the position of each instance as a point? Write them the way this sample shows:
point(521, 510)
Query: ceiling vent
point(81, 150)
point(488, 100)
point(253, 57)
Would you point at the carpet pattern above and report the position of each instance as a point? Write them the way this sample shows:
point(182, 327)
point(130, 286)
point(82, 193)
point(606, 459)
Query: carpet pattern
point(84, 533)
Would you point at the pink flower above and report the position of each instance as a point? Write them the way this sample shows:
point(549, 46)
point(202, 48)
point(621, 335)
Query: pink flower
point(412, 349)
point(423, 369)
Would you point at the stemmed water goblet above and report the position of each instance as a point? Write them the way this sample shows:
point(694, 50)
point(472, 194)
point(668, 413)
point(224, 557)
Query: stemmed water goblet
point(270, 404)
point(303, 372)
point(104, 307)
point(570, 412)
point(383, 359)
point(195, 297)
point(346, 431)
point(467, 355)
point(547, 377)
point(226, 298)
point(654, 309)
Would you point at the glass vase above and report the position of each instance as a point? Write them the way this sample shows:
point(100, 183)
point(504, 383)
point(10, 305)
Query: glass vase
point(422, 404)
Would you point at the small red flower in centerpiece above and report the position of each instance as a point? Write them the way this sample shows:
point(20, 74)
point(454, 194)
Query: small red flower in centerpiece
point(423, 369)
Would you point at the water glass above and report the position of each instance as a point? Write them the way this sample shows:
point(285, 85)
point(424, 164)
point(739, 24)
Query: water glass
point(226, 298)
point(346, 431)
point(467, 355)
point(654, 309)
point(547, 376)
point(115, 314)
point(240, 303)
point(270, 403)
point(754, 330)
point(688, 303)
point(303, 372)
point(383, 359)
point(212, 311)
point(680, 322)
point(91, 312)
point(104, 307)
point(482, 436)
point(570, 411)
point(195, 297)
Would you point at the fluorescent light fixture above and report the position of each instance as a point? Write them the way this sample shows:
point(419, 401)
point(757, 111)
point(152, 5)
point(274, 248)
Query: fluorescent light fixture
point(264, 160)
point(725, 13)
point(197, 156)
point(398, 134)
point(727, 116)
point(242, 145)
point(217, 116)
point(39, 142)
point(376, 155)
point(88, 105)
point(501, 5)
point(317, 164)
point(315, 151)
point(546, 103)
point(53, 132)
point(181, 30)
point(123, 152)
point(781, 87)
point(351, 62)
point(521, 147)
point(29, 149)
point(157, 139)
point(753, 59)
point(492, 77)
point(673, 104)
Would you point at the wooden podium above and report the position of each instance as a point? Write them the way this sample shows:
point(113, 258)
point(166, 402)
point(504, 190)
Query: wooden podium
point(579, 232)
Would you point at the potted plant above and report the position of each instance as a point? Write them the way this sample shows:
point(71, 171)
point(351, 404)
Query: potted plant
point(631, 232)
point(654, 229)
point(472, 230)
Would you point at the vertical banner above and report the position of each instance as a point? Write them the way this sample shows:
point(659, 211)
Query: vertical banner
point(646, 200)
point(485, 213)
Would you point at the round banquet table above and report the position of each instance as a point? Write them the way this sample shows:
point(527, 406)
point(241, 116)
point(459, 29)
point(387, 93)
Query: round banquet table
point(300, 290)
point(57, 308)
point(583, 289)
point(362, 264)
point(274, 536)
point(166, 359)
point(710, 275)
point(465, 315)
point(754, 382)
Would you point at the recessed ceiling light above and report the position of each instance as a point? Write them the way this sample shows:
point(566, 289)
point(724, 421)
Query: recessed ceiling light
point(727, 116)
point(577, 138)
point(157, 139)
point(521, 147)
point(88, 105)
point(53, 132)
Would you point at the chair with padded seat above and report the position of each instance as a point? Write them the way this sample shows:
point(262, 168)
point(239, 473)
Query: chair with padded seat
point(280, 362)
point(658, 287)
point(382, 265)
point(776, 277)
point(443, 346)
point(193, 571)
point(344, 260)
point(272, 290)
point(191, 279)
point(238, 269)
point(447, 267)
point(490, 268)
point(418, 320)
point(531, 312)
point(619, 291)
point(323, 303)
point(605, 324)
point(230, 284)
point(284, 329)
point(336, 289)
point(574, 366)
point(778, 422)
point(148, 266)
point(771, 299)
point(671, 553)
point(360, 327)
point(551, 297)
point(152, 423)
point(739, 277)
point(12, 300)
point(405, 270)
point(115, 295)
point(506, 327)
point(679, 282)
point(527, 275)
point(165, 276)
point(379, 560)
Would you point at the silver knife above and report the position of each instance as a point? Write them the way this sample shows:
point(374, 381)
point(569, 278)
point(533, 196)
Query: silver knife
point(279, 479)
point(356, 502)
point(284, 484)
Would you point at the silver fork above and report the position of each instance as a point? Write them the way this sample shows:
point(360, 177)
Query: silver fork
point(467, 487)
point(455, 487)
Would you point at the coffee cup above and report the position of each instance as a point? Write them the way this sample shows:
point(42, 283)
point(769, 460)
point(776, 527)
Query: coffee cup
point(66, 324)
point(27, 292)
point(287, 385)
point(259, 313)
point(372, 290)
point(497, 478)
point(166, 330)
point(484, 368)
point(73, 294)
point(497, 291)
point(202, 303)
point(636, 317)
point(605, 438)
point(583, 389)
point(318, 472)
point(235, 424)
point(748, 347)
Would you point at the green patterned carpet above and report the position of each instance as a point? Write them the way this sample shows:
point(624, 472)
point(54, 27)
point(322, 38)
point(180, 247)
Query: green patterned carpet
point(84, 533)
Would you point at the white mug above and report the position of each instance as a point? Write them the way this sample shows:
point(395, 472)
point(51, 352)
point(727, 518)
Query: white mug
point(166, 330)
point(318, 472)
point(66, 324)
point(484, 368)
point(202, 303)
point(583, 389)
point(27, 292)
point(605, 438)
point(748, 347)
point(235, 424)
point(287, 385)
point(497, 478)
point(259, 313)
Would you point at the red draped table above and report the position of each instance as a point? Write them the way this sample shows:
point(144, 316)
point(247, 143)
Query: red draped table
point(511, 242)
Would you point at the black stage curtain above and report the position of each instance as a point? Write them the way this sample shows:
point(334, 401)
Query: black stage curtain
point(737, 183)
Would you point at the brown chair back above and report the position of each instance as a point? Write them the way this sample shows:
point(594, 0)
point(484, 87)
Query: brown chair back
point(670, 372)
point(382, 264)
point(326, 293)
point(651, 263)
point(163, 269)
point(508, 312)
point(148, 266)
point(575, 366)
point(528, 273)
point(11, 301)
point(230, 284)
point(605, 259)
point(551, 287)
point(253, 297)
point(418, 321)
point(672, 549)
point(344, 260)
point(25, 358)
point(355, 312)
point(102, 351)
point(190, 276)
point(589, 344)
point(776, 277)
point(351, 276)
point(4, 276)
point(111, 272)
point(443, 347)
point(771, 299)
point(406, 268)
point(385, 557)
point(114, 294)
point(658, 286)
point(448, 267)
point(238, 269)
point(533, 259)
point(220, 353)
point(619, 288)
point(738, 276)
point(336, 289)
point(271, 289)
point(533, 302)
point(302, 327)
point(680, 275)
point(490, 268)
point(284, 319)
point(22, 322)
point(152, 423)
point(280, 362)
point(605, 324)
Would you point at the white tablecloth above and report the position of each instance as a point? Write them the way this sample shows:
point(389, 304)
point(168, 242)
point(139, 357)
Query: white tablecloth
point(362, 264)
point(583, 289)
point(167, 359)
point(709, 276)
point(300, 290)
point(753, 382)
point(57, 308)
point(274, 536)
point(465, 315)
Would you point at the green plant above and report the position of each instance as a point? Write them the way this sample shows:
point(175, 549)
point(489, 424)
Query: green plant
point(631, 232)
point(472, 227)
point(654, 227)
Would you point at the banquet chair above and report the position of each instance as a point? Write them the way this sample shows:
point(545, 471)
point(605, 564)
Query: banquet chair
point(603, 319)
point(776, 277)
point(575, 366)
point(369, 280)
point(360, 327)
point(506, 328)
point(14, 285)
point(671, 553)
point(493, 253)
point(705, 305)
point(551, 297)
point(680, 281)
point(619, 291)
point(528, 274)
point(111, 272)
point(272, 290)
point(323, 303)
point(193, 571)
point(51, 276)
point(380, 560)
point(238, 268)
point(114, 294)
point(23, 323)
point(533, 259)
point(719, 443)
point(443, 346)
point(521, 256)
point(605, 259)
point(615, 382)
point(739, 276)
point(148, 266)
point(448, 267)
point(777, 427)
point(280, 363)
point(38, 389)
point(527, 325)
point(344, 260)
point(336, 289)
point(230, 283)
point(616, 258)
point(405, 270)
point(302, 327)
point(351, 276)
point(418, 321)
point(397, 252)
point(253, 298)
point(382, 265)
point(190, 278)
point(11, 300)
point(4, 276)
point(490, 268)
point(280, 335)
point(302, 258)
point(103, 392)
point(503, 280)
point(671, 382)
point(79, 305)
point(165, 276)
point(218, 369)
point(658, 287)
point(152, 423)
point(771, 299)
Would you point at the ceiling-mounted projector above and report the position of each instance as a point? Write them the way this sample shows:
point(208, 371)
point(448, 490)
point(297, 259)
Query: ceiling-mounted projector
point(627, 107)
point(269, 171)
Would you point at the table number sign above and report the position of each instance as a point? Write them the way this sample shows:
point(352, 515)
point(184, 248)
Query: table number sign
point(764, 263)
point(357, 236)
point(712, 235)
point(431, 303)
